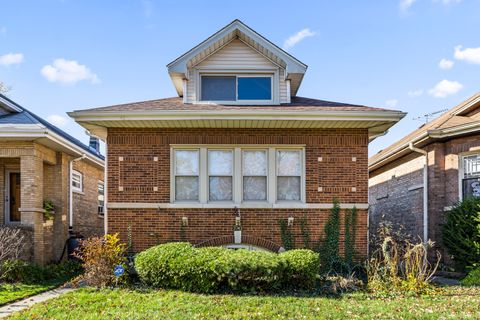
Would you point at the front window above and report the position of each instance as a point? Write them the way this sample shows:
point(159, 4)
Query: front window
point(236, 175)
point(236, 88)
point(471, 176)
point(220, 175)
point(187, 175)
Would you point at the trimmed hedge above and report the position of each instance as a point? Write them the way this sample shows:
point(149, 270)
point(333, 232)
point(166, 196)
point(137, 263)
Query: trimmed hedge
point(212, 269)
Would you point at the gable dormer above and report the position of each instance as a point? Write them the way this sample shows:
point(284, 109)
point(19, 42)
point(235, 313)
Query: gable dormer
point(236, 66)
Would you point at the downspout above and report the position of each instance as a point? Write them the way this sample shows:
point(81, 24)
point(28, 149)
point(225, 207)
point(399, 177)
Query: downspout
point(70, 200)
point(425, 190)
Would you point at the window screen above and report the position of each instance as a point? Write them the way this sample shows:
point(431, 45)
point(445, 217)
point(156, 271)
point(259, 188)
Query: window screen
point(218, 88)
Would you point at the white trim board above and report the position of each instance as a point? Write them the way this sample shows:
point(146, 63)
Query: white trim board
point(145, 205)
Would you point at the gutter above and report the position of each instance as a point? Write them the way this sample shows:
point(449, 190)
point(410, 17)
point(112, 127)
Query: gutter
point(70, 202)
point(425, 189)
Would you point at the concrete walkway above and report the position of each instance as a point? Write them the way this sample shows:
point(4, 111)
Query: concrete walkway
point(8, 309)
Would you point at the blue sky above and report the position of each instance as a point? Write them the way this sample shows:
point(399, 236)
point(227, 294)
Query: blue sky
point(63, 55)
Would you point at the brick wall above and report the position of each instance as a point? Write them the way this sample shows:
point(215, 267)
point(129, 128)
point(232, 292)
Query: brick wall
point(396, 192)
point(343, 166)
point(85, 209)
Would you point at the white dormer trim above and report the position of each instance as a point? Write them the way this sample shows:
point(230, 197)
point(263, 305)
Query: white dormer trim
point(179, 68)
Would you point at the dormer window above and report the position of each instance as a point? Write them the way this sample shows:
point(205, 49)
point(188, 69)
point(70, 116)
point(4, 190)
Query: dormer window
point(238, 88)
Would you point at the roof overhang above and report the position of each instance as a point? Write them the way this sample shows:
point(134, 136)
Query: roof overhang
point(377, 122)
point(294, 68)
point(47, 138)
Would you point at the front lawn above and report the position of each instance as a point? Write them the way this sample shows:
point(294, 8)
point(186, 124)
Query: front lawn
point(12, 292)
point(453, 302)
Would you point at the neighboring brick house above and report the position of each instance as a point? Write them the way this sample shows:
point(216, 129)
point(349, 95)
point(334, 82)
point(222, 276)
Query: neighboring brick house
point(443, 154)
point(35, 160)
point(237, 147)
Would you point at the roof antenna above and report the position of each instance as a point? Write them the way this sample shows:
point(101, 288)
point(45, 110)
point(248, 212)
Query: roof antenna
point(427, 117)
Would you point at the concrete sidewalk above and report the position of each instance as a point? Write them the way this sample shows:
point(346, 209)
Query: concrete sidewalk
point(8, 309)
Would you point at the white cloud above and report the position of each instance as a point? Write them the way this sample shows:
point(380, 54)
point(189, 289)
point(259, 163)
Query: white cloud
point(446, 64)
point(11, 58)
point(471, 55)
point(147, 8)
point(58, 120)
point(446, 2)
point(392, 103)
point(415, 93)
point(297, 37)
point(406, 4)
point(445, 88)
point(3, 30)
point(68, 72)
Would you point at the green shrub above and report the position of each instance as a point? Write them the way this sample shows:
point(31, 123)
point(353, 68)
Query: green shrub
point(181, 266)
point(461, 233)
point(473, 278)
point(15, 270)
point(301, 267)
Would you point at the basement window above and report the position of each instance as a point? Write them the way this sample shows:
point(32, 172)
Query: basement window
point(239, 88)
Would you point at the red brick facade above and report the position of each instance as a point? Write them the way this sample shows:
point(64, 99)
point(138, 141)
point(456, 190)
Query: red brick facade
point(336, 160)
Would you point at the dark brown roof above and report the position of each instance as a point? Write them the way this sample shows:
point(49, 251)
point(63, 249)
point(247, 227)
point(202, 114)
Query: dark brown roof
point(176, 103)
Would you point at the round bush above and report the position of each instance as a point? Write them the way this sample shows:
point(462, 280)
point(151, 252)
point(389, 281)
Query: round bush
point(181, 266)
point(302, 266)
point(473, 278)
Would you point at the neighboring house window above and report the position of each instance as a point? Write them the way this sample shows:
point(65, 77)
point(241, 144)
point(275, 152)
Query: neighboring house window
point(77, 181)
point(238, 174)
point(186, 175)
point(101, 198)
point(236, 88)
point(471, 176)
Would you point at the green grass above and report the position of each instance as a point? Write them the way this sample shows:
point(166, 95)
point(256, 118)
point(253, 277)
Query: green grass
point(12, 292)
point(454, 302)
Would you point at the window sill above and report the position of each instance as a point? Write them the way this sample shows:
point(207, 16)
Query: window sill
point(78, 191)
point(293, 205)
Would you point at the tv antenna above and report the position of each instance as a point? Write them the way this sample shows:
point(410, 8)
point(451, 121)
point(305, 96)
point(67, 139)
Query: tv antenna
point(427, 117)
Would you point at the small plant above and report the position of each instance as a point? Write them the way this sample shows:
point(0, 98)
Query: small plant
point(286, 235)
point(461, 233)
point(99, 256)
point(350, 234)
point(473, 278)
point(330, 246)
point(49, 208)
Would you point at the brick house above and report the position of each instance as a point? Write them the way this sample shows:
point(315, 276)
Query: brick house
point(39, 162)
point(444, 156)
point(237, 149)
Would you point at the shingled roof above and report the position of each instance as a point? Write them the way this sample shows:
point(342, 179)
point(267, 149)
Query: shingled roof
point(453, 118)
point(176, 103)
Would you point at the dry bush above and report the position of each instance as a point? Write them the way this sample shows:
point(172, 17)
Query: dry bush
point(12, 242)
point(401, 267)
point(100, 256)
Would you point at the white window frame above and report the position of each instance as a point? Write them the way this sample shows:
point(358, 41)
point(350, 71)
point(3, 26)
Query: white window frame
point(100, 182)
point(237, 173)
point(74, 188)
point(173, 174)
point(208, 175)
point(272, 73)
point(461, 171)
point(302, 181)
